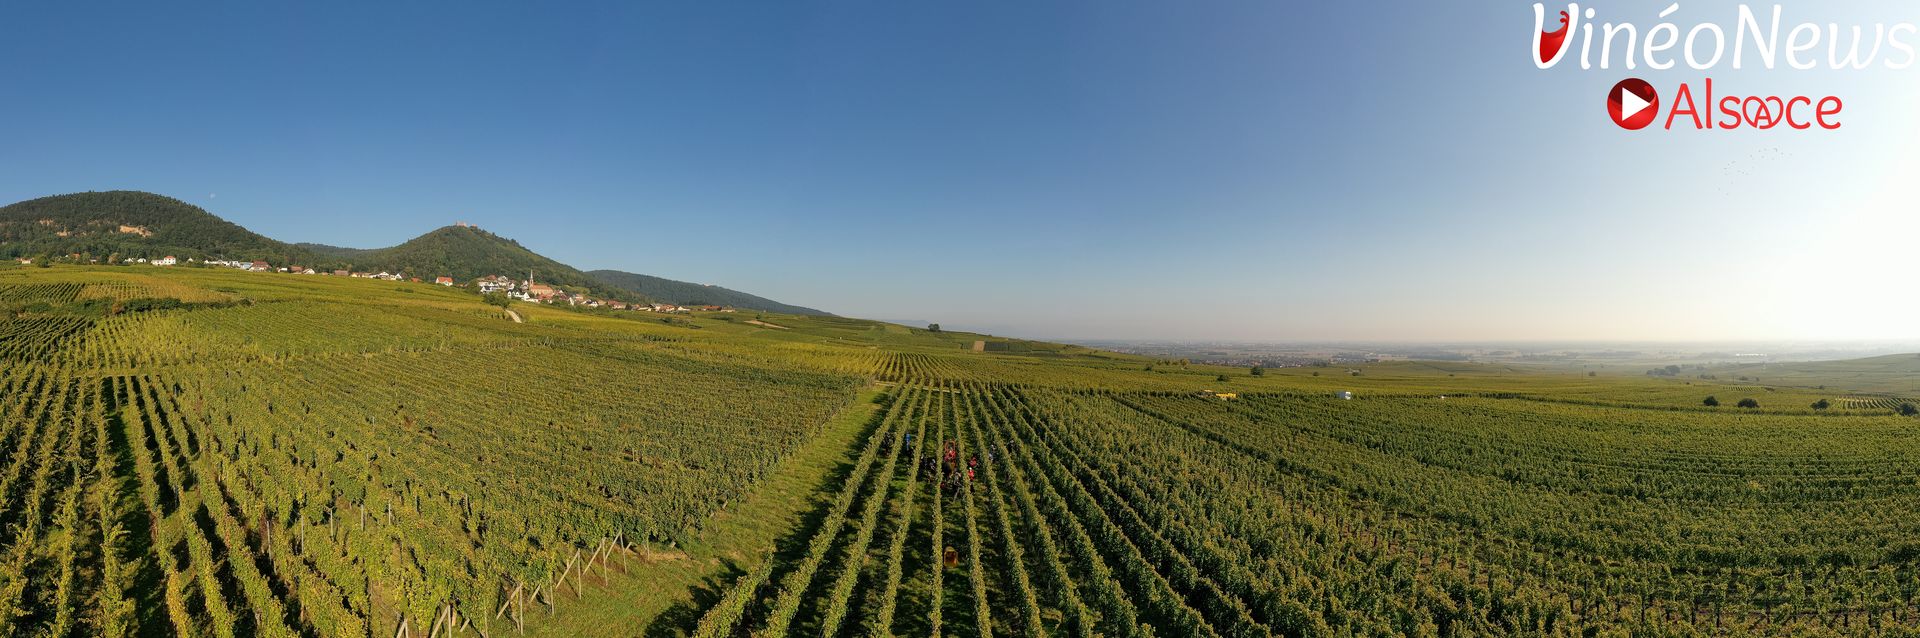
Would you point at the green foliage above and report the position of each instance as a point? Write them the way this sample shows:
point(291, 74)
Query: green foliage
point(933, 327)
point(465, 253)
point(1908, 409)
point(1748, 403)
point(136, 224)
point(1260, 372)
point(324, 457)
point(130, 223)
point(692, 294)
point(721, 620)
point(289, 470)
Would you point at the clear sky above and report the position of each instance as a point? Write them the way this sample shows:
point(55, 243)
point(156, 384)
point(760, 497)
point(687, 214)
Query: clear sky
point(1100, 169)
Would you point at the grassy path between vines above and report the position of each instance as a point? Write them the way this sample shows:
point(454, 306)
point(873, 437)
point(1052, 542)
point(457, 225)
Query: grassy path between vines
point(665, 597)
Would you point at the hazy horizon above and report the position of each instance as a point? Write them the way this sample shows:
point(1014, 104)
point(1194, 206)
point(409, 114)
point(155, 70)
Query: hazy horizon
point(1260, 171)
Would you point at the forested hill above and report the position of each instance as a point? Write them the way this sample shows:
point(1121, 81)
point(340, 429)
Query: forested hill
point(130, 224)
point(466, 252)
point(102, 226)
point(337, 252)
point(692, 294)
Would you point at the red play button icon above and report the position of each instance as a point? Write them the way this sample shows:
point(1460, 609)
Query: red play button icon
point(1633, 104)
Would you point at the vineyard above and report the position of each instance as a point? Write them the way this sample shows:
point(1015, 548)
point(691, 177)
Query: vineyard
point(306, 456)
point(1159, 514)
point(311, 468)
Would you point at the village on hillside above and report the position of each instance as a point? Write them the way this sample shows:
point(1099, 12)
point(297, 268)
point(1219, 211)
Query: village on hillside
point(527, 290)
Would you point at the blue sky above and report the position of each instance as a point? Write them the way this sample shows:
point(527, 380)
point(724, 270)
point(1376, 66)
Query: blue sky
point(1211, 170)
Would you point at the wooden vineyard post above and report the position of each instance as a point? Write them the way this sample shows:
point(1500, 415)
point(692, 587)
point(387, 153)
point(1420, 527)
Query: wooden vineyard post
point(579, 577)
point(594, 560)
point(512, 597)
point(515, 601)
point(600, 555)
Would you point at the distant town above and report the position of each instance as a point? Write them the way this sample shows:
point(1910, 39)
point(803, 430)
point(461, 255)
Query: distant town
point(528, 290)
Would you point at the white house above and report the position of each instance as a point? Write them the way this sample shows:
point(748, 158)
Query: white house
point(494, 283)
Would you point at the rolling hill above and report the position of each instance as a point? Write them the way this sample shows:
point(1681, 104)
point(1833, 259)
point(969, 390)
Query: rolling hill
point(99, 225)
point(129, 224)
point(1894, 374)
point(338, 252)
point(466, 252)
point(689, 294)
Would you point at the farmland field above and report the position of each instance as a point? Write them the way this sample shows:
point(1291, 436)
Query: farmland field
point(215, 453)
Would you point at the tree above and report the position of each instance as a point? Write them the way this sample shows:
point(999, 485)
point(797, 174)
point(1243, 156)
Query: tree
point(1907, 409)
point(1821, 404)
point(1259, 371)
point(1221, 378)
point(1748, 403)
point(1711, 402)
point(497, 298)
point(933, 327)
